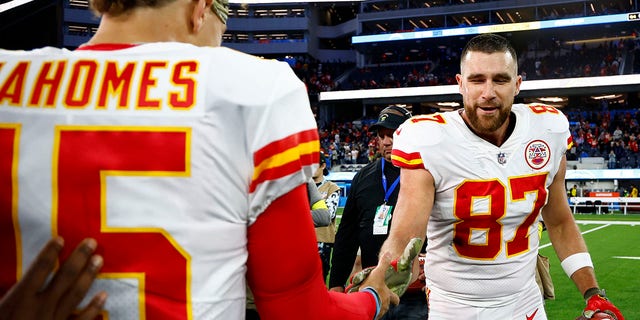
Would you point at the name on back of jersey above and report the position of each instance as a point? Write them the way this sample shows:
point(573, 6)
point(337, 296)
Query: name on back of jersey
point(89, 84)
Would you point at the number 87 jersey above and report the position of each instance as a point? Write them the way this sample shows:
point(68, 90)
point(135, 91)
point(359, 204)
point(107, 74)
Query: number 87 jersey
point(482, 232)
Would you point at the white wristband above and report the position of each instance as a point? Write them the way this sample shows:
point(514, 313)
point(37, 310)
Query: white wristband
point(576, 261)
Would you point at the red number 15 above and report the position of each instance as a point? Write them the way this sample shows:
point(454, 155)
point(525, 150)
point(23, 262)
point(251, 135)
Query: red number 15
point(83, 157)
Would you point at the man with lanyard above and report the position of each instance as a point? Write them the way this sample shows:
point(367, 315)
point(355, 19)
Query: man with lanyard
point(367, 216)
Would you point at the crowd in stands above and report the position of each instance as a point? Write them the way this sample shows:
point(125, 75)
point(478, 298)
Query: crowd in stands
point(439, 66)
point(318, 76)
point(557, 61)
point(612, 135)
point(553, 61)
point(348, 143)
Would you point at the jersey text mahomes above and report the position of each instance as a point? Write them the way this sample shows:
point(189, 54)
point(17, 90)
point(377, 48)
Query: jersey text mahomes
point(91, 84)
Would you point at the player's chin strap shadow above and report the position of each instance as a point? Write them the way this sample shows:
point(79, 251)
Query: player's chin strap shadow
point(398, 276)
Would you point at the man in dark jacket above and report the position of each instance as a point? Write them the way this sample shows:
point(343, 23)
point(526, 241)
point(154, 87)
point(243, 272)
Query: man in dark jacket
point(367, 215)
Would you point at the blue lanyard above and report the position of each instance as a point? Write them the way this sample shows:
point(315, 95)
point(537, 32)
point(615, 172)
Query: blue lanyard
point(387, 193)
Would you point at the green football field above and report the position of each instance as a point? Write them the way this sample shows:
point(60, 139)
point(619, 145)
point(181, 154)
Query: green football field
point(614, 244)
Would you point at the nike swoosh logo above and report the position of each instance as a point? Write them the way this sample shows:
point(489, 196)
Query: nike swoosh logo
point(532, 315)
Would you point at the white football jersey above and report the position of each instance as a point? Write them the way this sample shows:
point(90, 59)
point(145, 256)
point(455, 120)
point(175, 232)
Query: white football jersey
point(165, 153)
point(482, 232)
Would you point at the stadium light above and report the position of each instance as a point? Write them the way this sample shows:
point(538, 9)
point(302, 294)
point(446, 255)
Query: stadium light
point(12, 4)
point(529, 85)
point(496, 28)
point(286, 1)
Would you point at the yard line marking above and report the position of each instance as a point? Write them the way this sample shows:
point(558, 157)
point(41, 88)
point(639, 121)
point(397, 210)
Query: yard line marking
point(596, 228)
point(585, 232)
point(632, 223)
point(631, 258)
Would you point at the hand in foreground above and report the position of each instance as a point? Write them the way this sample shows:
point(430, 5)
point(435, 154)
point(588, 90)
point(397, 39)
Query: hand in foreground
point(398, 275)
point(30, 298)
point(376, 281)
point(597, 304)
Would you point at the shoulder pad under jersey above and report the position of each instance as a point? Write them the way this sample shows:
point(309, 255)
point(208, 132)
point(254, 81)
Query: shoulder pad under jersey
point(426, 129)
point(548, 117)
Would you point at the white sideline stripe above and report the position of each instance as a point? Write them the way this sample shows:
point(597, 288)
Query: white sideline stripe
point(631, 258)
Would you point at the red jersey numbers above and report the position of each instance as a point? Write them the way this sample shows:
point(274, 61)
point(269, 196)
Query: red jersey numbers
point(537, 108)
point(436, 117)
point(9, 271)
point(488, 220)
point(83, 159)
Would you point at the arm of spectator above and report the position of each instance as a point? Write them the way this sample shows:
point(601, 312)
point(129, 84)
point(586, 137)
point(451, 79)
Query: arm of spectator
point(332, 203)
point(285, 274)
point(319, 211)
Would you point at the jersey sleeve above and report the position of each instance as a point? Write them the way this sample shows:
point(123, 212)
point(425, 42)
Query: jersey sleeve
point(283, 139)
point(408, 141)
point(555, 123)
point(284, 271)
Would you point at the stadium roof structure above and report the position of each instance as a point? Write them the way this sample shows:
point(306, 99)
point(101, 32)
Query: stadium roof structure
point(499, 28)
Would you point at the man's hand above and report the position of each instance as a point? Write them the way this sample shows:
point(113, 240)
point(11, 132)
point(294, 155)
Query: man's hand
point(598, 303)
point(399, 274)
point(376, 280)
point(30, 298)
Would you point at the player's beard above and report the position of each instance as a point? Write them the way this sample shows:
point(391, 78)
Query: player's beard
point(487, 124)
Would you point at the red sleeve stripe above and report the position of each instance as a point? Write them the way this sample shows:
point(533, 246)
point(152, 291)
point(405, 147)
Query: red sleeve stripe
point(285, 156)
point(569, 142)
point(406, 160)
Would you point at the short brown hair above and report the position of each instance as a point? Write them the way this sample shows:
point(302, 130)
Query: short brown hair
point(489, 43)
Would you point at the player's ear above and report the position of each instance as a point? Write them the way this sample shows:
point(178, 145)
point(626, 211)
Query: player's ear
point(199, 11)
point(518, 82)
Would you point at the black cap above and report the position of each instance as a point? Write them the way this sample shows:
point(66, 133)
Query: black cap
point(323, 159)
point(391, 118)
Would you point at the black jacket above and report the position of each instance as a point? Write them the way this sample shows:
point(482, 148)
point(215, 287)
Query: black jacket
point(356, 226)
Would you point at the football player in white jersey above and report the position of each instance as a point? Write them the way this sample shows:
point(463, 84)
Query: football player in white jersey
point(478, 180)
point(184, 160)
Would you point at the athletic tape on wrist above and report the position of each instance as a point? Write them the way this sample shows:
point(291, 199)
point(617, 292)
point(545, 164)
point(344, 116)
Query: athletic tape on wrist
point(576, 261)
point(375, 295)
point(592, 292)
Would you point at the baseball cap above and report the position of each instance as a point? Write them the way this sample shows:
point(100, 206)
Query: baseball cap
point(323, 159)
point(391, 118)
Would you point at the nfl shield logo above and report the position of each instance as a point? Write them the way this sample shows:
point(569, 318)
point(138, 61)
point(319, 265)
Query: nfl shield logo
point(502, 158)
